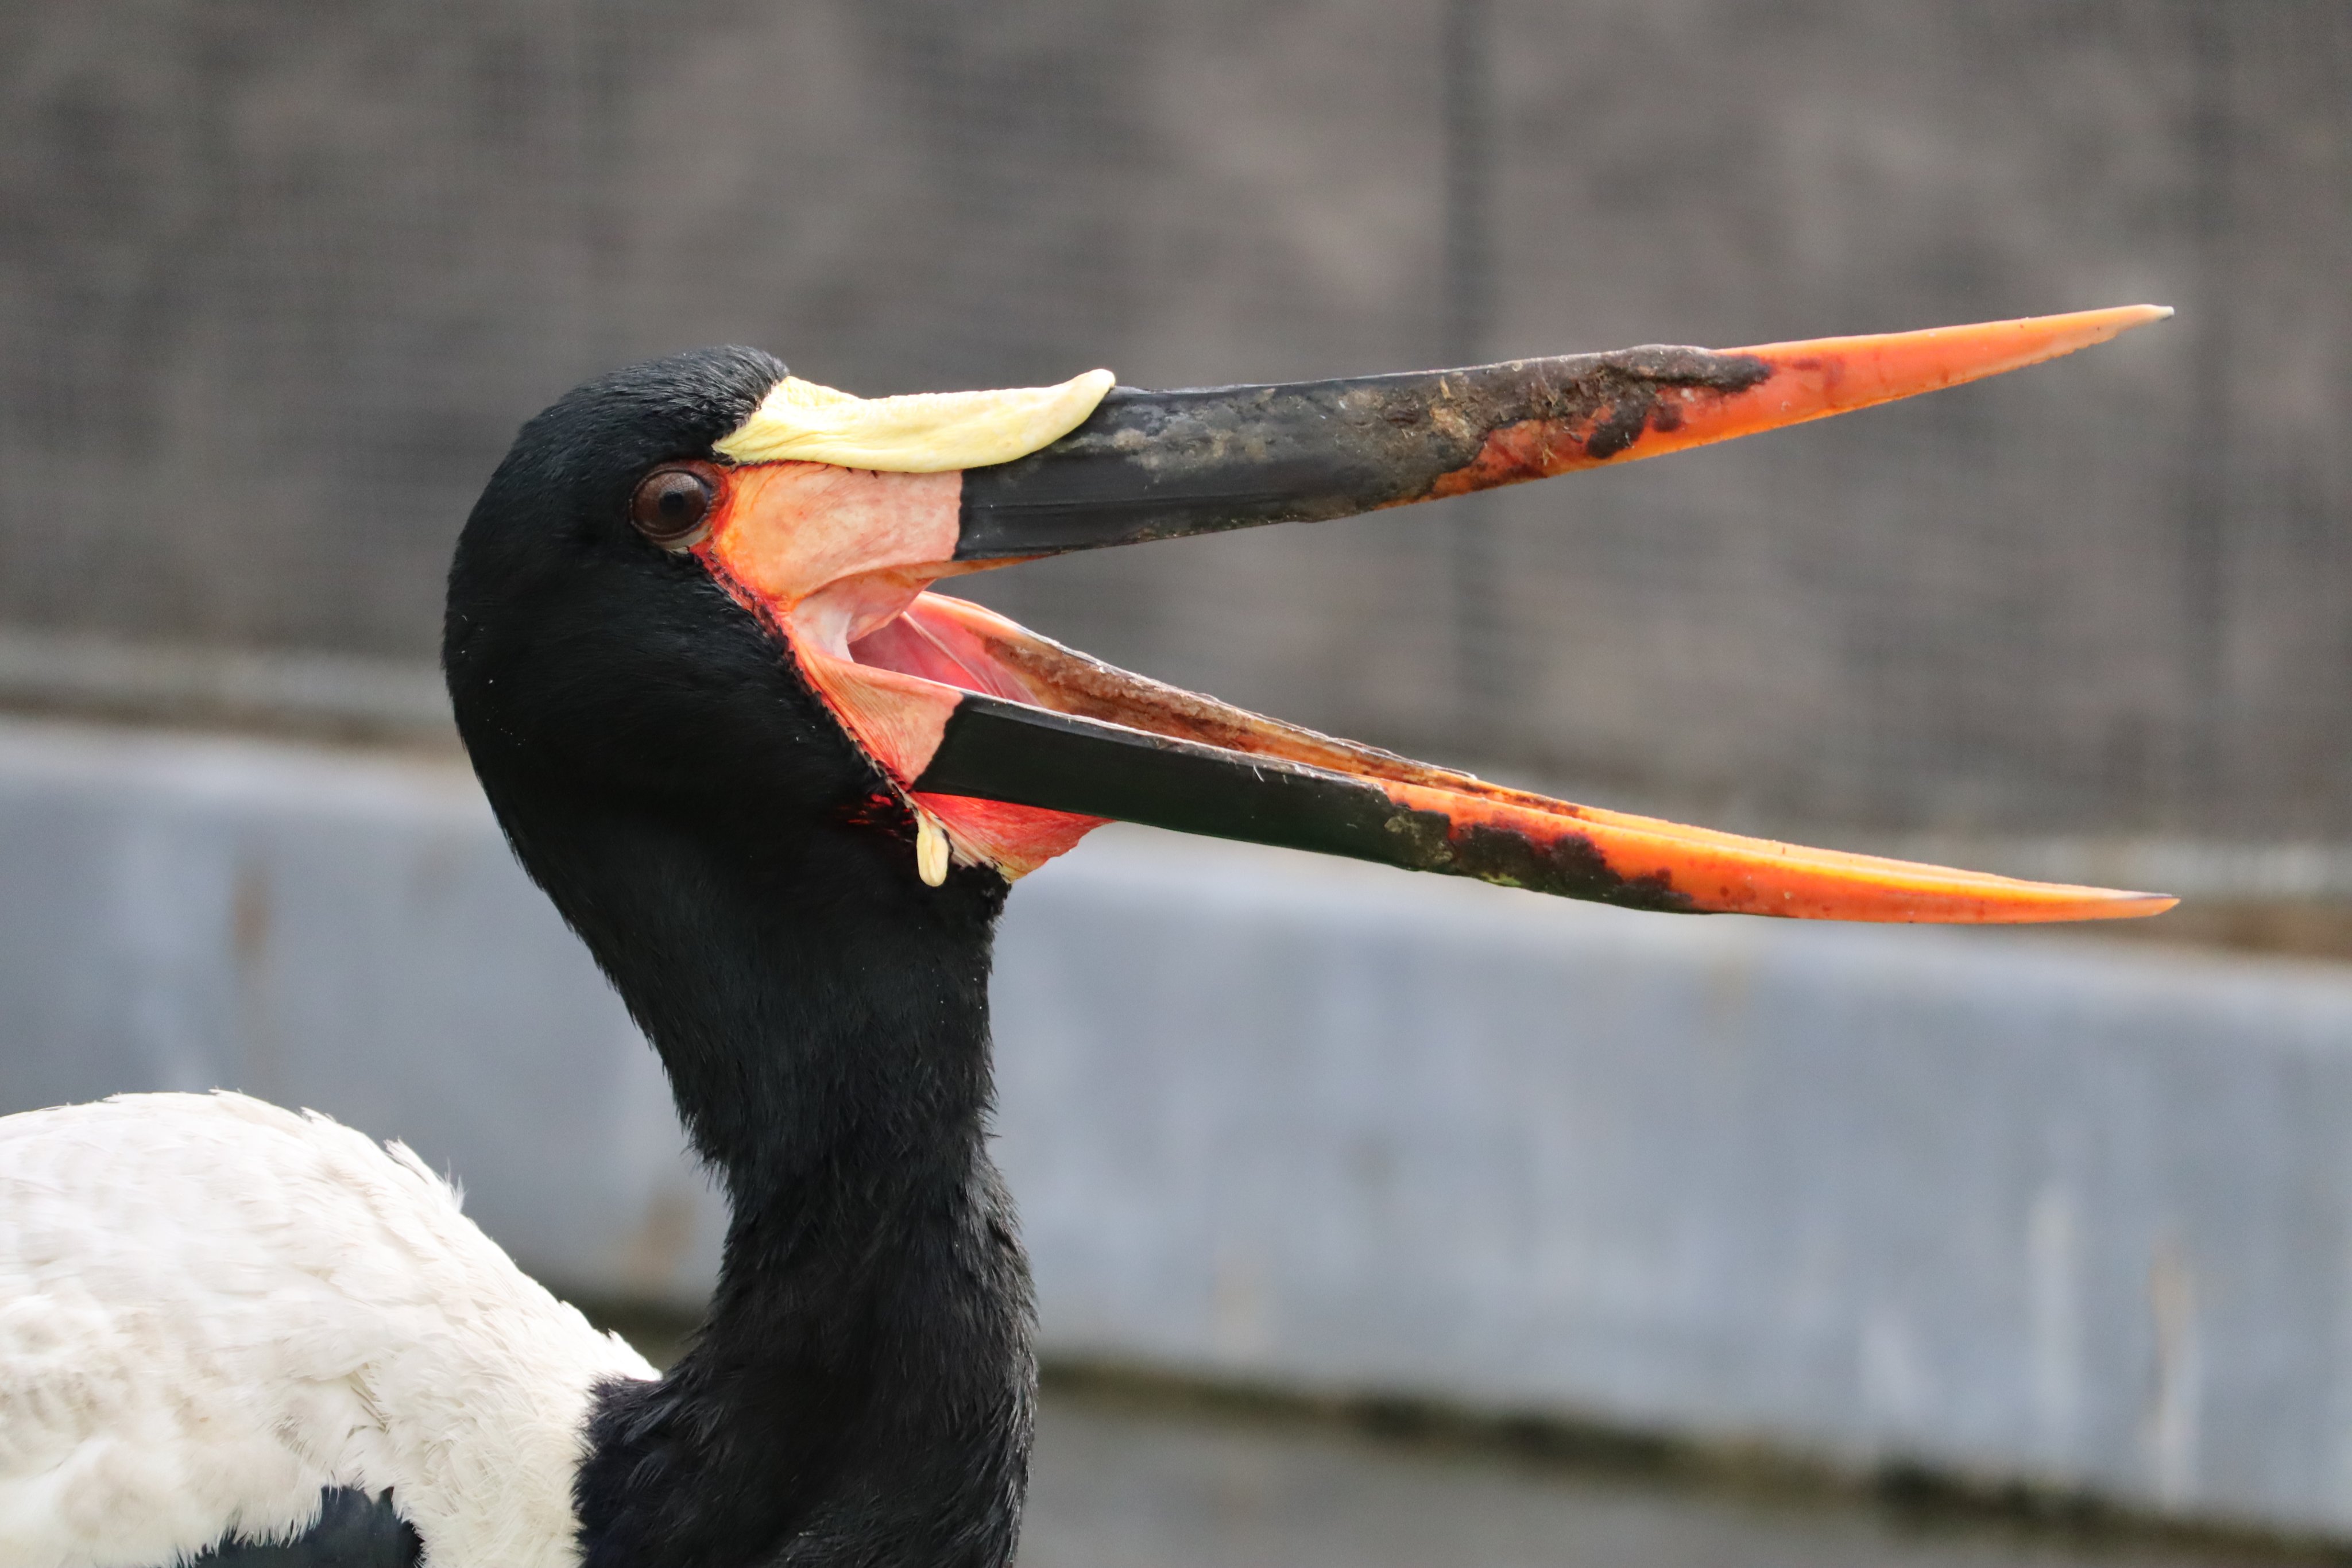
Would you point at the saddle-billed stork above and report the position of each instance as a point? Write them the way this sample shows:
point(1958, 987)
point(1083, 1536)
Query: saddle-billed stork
point(780, 787)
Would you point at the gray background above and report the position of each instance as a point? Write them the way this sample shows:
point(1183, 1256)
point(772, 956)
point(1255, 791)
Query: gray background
point(279, 280)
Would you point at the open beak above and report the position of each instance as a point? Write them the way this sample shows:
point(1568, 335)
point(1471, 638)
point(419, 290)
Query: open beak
point(1009, 746)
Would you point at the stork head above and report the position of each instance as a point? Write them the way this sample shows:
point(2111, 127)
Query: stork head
point(710, 589)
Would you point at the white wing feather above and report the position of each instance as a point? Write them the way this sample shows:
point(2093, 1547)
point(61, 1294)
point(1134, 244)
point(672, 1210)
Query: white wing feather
point(210, 1309)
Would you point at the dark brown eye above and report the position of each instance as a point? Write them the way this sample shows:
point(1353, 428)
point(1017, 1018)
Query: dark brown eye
point(671, 505)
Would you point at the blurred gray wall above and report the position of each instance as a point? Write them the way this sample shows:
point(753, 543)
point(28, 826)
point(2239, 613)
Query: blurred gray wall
point(278, 280)
point(2017, 1205)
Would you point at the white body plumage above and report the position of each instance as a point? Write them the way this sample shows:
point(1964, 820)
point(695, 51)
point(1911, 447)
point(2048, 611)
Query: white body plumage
point(210, 1309)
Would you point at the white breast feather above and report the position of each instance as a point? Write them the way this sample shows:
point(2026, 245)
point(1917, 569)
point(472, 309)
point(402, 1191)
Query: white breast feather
point(210, 1309)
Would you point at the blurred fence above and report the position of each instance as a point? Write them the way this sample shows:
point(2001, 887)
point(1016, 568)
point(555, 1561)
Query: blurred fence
point(279, 280)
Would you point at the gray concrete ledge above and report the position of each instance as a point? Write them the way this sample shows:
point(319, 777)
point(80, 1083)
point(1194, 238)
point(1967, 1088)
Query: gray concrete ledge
point(2016, 1205)
point(309, 692)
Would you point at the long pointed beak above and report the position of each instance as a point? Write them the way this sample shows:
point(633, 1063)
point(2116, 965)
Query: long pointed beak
point(1014, 746)
point(1079, 740)
point(1162, 464)
point(992, 750)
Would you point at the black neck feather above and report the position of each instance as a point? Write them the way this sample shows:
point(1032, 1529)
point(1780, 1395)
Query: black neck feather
point(861, 1392)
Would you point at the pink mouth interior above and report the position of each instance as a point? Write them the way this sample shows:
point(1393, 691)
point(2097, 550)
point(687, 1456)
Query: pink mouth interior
point(928, 645)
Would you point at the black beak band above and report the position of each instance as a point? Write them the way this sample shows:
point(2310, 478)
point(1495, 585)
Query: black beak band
point(1000, 750)
point(1162, 465)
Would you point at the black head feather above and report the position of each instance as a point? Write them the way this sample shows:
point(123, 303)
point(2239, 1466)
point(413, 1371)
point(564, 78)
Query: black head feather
point(577, 650)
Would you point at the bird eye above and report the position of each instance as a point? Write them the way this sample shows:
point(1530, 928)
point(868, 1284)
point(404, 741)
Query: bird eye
point(672, 505)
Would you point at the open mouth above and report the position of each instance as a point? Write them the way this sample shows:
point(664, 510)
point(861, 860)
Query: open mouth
point(1012, 747)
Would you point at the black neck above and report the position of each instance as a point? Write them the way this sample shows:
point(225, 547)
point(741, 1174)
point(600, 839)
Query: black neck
point(862, 1389)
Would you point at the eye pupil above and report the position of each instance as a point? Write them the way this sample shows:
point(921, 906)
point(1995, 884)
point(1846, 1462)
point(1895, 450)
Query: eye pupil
point(670, 505)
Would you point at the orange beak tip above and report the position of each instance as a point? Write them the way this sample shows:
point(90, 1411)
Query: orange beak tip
point(1817, 377)
point(2116, 905)
point(2123, 319)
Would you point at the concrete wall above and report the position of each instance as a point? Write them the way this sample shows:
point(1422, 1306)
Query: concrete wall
point(2025, 1205)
